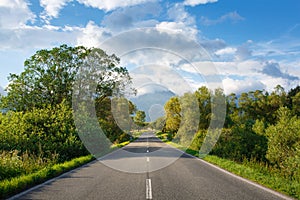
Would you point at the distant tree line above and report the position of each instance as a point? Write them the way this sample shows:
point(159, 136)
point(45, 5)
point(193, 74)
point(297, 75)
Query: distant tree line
point(259, 126)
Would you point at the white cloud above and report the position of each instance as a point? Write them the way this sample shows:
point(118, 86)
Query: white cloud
point(134, 16)
point(204, 68)
point(14, 14)
point(178, 28)
point(32, 37)
point(243, 52)
point(109, 5)
point(153, 75)
point(226, 51)
point(232, 16)
point(17, 34)
point(213, 45)
point(52, 8)
point(239, 86)
point(198, 2)
point(181, 22)
point(92, 35)
point(153, 45)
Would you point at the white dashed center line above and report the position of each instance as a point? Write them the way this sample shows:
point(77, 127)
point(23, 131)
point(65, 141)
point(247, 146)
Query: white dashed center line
point(148, 189)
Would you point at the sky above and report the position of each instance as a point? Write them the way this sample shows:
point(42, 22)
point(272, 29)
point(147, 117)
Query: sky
point(237, 45)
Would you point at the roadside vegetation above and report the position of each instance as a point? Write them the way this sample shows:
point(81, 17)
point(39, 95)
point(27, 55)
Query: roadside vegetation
point(39, 139)
point(260, 139)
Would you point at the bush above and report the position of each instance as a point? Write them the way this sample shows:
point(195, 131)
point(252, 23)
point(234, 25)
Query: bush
point(239, 144)
point(12, 164)
point(284, 144)
point(49, 131)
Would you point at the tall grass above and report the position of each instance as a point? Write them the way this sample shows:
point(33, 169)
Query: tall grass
point(253, 170)
point(8, 187)
point(14, 164)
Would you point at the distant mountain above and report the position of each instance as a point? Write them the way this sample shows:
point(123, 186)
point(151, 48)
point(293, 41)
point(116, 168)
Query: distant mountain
point(151, 99)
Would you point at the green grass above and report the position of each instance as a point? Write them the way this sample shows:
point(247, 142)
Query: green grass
point(9, 187)
point(15, 185)
point(260, 174)
point(253, 171)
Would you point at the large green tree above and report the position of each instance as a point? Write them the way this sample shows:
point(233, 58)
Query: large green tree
point(49, 75)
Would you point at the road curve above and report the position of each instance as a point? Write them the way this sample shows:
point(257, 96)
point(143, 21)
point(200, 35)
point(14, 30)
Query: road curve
point(148, 169)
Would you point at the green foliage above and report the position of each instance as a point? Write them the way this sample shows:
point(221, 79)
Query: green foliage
point(12, 164)
point(50, 130)
point(39, 130)
point(12, 186)
point(284, 143)
point(203, 96)
point(159, 124)
point(239, 144)
point(260, 173)
point(173, 115)
point(140, 118)
point(49, 75)
point(47, 78)
point(257, 127)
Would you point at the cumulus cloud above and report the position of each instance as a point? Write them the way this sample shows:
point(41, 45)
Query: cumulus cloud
point(180, 22)
point(153, 75)
point(243, 52)
point(273, 69)
point(52, 8)
point(213, 45)
point(92, 35)
point(178, 27)
point(32, 37)
point(153, 45)
point(239, 86)
point(198, 2)
point(109, 5)
point(233, 17)
point(226, 51)
point(129, 17)
point(16, 32)
point(14, 14)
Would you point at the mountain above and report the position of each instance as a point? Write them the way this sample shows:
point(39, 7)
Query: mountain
point(151, 98)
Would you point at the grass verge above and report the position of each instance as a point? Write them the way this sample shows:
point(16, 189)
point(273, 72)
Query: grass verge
point(18, 184)
point(255, 172)
point(15, 185)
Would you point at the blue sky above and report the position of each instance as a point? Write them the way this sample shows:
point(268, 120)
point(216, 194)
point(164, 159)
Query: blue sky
point(252, 44)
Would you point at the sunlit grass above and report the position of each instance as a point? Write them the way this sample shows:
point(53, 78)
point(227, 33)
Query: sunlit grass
point(254, 171)
point(14, 185)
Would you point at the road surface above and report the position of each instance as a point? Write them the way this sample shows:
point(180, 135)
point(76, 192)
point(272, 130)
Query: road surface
point(148, 169)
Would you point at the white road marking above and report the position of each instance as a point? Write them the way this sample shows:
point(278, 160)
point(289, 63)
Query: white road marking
point(148, 159)
point(148, 189)
point(236, 176)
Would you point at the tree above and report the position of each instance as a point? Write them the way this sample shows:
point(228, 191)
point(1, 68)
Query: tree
point(189, 119)
point(284, 142)
point(140, 118)
point(49, 75)
point(204, 100)
point(173, 115)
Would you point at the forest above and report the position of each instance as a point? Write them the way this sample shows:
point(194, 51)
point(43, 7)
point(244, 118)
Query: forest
point(259, 127)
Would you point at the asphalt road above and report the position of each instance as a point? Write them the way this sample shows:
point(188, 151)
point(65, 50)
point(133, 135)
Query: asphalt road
point(148, 169)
